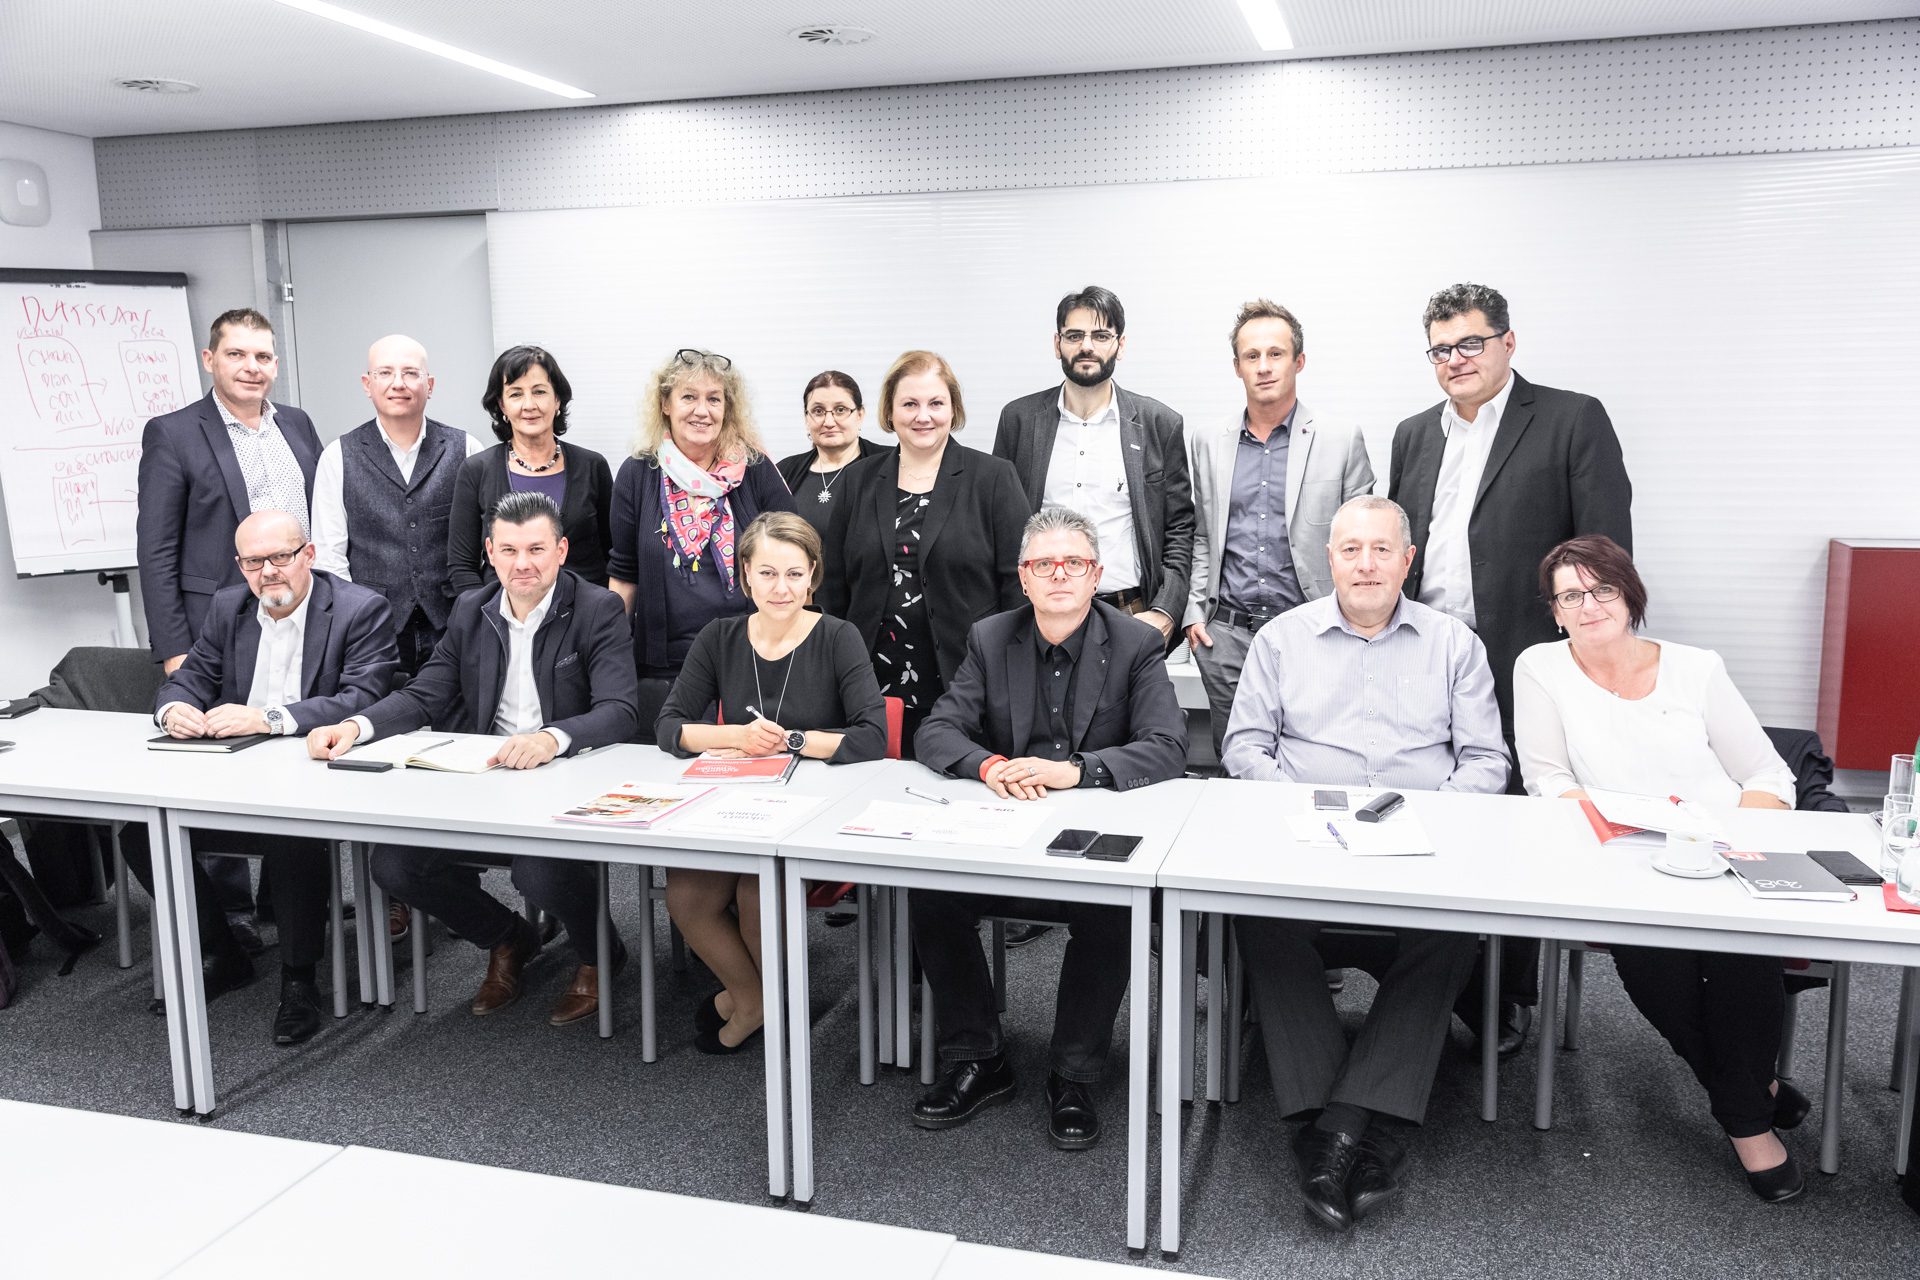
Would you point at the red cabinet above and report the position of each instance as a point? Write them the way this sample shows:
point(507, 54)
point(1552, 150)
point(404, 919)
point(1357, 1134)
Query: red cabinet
point(1870, 652)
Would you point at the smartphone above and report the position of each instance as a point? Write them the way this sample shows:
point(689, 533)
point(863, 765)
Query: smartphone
point(1330, 800)
point(17, 708)
point(1844, 867)
point(1072, 843)
point(360, 766)
point(1112, 848)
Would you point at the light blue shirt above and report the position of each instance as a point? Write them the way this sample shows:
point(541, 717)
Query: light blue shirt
point(1409, 707)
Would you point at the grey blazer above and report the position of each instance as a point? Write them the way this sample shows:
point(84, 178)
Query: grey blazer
point(1326, 465)
point(1153, 449)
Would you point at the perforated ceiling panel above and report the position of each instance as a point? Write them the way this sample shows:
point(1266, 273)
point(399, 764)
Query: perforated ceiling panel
point(1834, 87)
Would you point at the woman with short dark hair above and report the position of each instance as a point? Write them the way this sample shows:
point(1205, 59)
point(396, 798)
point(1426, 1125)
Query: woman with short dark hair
point(834, 414)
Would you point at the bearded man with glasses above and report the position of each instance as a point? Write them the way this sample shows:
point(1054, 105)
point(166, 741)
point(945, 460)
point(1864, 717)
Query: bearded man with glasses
point(1065, 691)
point(1492, 478)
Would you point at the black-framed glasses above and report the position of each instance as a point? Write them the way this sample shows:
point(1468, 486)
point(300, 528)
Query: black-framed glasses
point(278, 559)
point(839, 412)
point(1049, 566)
point(1468, 347)
point(1602, 593)
point(694, 357)
point(1074, 337)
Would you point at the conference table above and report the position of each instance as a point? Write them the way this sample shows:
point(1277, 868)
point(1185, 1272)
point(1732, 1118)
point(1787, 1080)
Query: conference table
point(819, 851)
point(1513, 866)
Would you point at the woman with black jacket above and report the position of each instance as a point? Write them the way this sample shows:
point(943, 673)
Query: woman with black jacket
point(834, 414)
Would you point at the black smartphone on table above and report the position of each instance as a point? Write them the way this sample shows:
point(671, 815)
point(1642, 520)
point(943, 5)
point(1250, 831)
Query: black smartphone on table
point(1844, 867)
point(1072, 843)
point(1112, 848)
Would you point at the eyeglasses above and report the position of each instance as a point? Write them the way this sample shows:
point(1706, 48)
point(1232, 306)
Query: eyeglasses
point(1049, 566)
point(279, 559)
point(839, 412)
point(693, 358)
point(1602, 593)
point(1074, 337)
point(1468, 347)
point(405, 377)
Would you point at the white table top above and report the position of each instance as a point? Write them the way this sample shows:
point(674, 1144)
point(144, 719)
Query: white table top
point(986, 1262)
point(1154, 813)
point(1523, 856)
point(179, 1186)
point(382, 1213)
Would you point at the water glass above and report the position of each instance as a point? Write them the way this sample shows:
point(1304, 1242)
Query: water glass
point(1907, 882)
point(1900, 778)
point(1899, 834)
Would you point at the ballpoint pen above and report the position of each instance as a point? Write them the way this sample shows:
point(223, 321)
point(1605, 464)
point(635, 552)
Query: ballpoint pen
point(927, 795)
point(1338, 838)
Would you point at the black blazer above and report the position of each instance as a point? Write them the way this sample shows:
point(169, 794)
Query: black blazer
point(192, 497)
point(585, 515)
point(347, 659)
point(1124, 709)
point(1555, 472)
point(582, 669)
point(793, 467)
point(1154, 450)
point(969, 546)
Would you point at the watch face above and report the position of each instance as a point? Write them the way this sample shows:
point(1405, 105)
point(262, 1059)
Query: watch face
point(796, 740)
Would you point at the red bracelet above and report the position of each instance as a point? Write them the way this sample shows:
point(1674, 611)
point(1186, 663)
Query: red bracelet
point(988, 763)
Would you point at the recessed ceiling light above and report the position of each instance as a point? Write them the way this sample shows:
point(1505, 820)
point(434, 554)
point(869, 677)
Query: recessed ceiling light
point(1268, 24)
point(831, 33)
point(153, 84)
point(440, 49)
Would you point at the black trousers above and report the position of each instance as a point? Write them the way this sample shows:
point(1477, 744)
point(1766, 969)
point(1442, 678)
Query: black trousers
point(1722, 1015)
point(299, 886)
point(416, 639)
point(1093, 977)
point(433, 881)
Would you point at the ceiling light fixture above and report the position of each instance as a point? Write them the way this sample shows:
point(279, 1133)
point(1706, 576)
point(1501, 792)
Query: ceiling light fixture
point(831, 33)
point(1264, 19)
point(157, 85)
point(426, 44)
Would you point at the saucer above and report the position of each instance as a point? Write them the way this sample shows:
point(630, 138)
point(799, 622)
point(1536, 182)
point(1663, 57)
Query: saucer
point(1721, 868)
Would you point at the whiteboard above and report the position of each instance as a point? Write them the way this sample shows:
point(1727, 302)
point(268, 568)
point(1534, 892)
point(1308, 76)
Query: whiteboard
point(1748, 321)
point(94, 354)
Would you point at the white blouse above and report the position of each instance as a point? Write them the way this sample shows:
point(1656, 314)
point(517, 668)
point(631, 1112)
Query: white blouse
point(1694, 736)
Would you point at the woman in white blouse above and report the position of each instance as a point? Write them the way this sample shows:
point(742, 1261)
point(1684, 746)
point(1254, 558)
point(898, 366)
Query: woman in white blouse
point(1609, 708)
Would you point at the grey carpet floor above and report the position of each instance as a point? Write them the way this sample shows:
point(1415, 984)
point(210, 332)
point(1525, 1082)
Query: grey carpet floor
point(1634, 1180)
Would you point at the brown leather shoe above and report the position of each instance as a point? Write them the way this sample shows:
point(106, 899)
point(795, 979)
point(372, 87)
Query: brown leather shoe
point(501, 987)
point(582, 999)
point(399, 919)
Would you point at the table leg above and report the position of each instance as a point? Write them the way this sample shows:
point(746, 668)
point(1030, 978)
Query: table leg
point(929, 1052)
point(1903, 1023)
point(603, 952)
point(1216, 1015)
point(863, 898)
point(649, 1006)
point(1910, 1075)
point(1549, 1016)
point(1139, 1056)
point(417, 927)
point(903, 980)
point(1174, 1027)
point(1839, 988)
point(1235, 1015)
point(883, 961)
point(337, 921)
point(192, 991)
point(773, 997)
point(167, 971)
point(374, 909)
point(799, 1023)
point(363, 897)
point(122, 904)
point(1490, 1035)
point(1189, 983)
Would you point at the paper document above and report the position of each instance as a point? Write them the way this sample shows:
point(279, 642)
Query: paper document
point(1656, 813)
point(425, 749)
point(1399, 836)
point(998, 826)
point(751, 814)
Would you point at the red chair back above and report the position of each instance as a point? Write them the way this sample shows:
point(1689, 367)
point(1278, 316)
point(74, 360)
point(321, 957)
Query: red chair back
point(896, 718)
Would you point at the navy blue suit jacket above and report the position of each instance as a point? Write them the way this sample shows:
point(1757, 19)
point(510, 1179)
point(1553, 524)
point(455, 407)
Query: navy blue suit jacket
point(582, 669)
point(348, 660)
point(192, 498)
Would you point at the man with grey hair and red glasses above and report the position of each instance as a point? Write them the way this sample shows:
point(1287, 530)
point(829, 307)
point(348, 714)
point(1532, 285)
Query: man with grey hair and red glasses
point(1492, 478)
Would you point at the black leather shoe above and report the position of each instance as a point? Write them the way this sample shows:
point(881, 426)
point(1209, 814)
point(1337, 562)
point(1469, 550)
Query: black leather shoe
point(1071, 1121)
point(1790, 1107)
point(218, 974)
point(1326, 1164)
point(299, 1014)
point(963, 1088)
point(1376, 1172)
point(1020, 933)
point(247, 934)
point(1515, 1021)
point(1778, 1184)
point(706, 1016)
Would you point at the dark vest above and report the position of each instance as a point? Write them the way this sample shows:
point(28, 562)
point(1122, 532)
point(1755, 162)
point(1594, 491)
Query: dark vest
point(397, 530)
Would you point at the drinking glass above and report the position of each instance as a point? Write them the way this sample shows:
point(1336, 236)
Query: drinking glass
point(1900, 777)
point(1907, 882)
point(1899, 834)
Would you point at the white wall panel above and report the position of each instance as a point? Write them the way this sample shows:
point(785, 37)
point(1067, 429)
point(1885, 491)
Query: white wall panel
point(1747, 321)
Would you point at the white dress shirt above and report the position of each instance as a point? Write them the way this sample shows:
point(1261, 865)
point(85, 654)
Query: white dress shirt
point(272, 474)
point(276, 665)
point(1447, 581)
point(331, 537)
point(1694, 736)
point(1088, 473)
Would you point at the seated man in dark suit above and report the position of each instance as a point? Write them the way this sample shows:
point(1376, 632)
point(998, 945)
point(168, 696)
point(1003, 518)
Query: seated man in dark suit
point(291, 649)
point(1362, 688)
point(546, 658)
point(1064, 692)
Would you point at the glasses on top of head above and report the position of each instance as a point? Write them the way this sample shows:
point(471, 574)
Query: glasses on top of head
point(1074, 337)
point(1048, 566)
point(694, 357)
point(839, 412)
point(1602, 593)
point(279, 559)
point(1468, 347)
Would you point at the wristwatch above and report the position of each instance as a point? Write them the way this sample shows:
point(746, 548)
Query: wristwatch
point(276, 720)
point(796, 740)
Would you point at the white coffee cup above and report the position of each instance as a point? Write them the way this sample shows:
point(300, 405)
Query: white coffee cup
point(1691, 851)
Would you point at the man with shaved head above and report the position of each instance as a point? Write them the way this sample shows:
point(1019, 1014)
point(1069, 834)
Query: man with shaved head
point(293, 648)
point(381, 496)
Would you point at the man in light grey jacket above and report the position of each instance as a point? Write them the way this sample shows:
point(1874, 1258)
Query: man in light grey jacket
point(1264, 493)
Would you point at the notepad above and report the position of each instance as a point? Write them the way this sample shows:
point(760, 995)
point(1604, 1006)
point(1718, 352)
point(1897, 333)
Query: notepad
point(742, 770)
point(636, 805)
point(209, 746)
point(1400, 836)
point(424, 749)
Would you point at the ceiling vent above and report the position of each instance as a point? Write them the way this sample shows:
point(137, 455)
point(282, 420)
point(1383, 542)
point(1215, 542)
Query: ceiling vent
point(831, 33)
point(148, 84)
